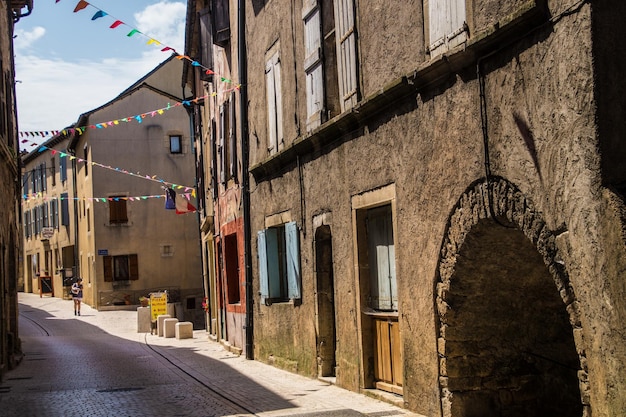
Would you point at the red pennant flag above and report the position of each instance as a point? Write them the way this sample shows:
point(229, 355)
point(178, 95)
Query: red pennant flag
point(116, 24)
point(81, 5)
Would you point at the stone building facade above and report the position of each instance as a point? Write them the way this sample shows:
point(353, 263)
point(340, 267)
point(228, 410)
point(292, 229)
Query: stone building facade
point(49, 232)
point(437, 200)
point(128, 244)
point(10, 232)
point(212, 45)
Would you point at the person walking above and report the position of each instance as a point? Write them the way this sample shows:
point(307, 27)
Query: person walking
point(77, 295)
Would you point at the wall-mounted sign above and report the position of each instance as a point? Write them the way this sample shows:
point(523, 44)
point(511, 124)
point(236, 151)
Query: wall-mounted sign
point(47, 232)
point(103, 252)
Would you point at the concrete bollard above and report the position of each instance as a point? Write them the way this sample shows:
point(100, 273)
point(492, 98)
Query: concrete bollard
point(184, 330)
point(169, 327)
point(143, 319)
point(160, 319)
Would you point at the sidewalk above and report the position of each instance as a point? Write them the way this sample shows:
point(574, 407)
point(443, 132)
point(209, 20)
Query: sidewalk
point(211, 365)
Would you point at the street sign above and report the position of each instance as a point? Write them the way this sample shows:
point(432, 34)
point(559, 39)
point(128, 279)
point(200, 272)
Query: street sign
point(158, 304)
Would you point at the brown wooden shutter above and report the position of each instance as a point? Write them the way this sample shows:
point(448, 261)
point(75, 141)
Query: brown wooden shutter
point(133, 267)
point(108, 268)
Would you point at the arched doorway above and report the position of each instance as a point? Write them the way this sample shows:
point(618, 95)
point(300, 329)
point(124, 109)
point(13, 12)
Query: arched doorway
point(506, 334)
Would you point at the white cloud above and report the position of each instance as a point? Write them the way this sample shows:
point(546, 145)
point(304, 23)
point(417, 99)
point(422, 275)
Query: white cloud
point(165, 22)
point(54, 91)
point(53, 94)
point(25, 39)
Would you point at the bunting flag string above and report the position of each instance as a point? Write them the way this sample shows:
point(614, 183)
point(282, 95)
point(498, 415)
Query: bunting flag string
point(82, 4)
point(117, 122)
point(153, 178)
point(40, 197)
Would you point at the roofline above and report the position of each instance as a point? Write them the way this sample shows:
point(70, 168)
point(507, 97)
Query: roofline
point(84, 118)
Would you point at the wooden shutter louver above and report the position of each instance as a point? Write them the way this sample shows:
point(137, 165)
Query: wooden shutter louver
point(221, 22)
point(346, 53)
point(206, 43)
point(292, 240)
point(108, 268)
point(133, 267)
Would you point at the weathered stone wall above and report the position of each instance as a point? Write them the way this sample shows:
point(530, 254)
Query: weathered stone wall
point(540, 137)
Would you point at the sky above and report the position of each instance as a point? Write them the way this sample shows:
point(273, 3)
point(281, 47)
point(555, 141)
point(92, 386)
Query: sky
point(67, 64)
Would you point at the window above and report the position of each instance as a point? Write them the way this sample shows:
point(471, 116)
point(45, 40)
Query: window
point(231, 266)
point(176, 145)
point(446, 25)
point(86, 159)
point(65, 210)
point(117, 210)
point(39, 178)
point(228, 141)
point(279, 263)
point(167, 251)
point(381, 255)
point(346, 52)
point(274, 103)
point(313, 64)
point(120, 268)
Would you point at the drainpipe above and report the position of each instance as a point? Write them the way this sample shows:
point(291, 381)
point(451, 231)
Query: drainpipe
point(245, 183)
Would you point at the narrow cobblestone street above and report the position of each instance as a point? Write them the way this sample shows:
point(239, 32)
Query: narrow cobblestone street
point(98, 365)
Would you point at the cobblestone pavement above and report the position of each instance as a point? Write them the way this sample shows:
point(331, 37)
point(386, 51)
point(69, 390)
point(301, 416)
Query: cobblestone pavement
point(98, 365)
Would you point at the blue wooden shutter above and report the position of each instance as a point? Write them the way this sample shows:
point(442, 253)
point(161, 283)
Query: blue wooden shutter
point(263, 276)
point(63, 168)
point(292, 237)
point(25, 185)
point(27, 223)
point(44, 177)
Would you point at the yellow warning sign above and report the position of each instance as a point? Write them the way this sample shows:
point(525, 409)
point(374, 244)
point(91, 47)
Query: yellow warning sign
point(158, 304)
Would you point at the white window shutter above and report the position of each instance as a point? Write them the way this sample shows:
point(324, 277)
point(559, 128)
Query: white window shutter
point(446, 25)
point(292, 243)
point(346, 52)
point(222, 146)
point(232, 138)
point(274, 103)
point(313, 67)
point(279, 102)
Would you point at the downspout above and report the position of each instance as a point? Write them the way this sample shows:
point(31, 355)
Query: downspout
point(245, 183)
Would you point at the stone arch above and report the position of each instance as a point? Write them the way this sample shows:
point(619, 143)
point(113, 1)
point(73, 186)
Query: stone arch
point(509, 329)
